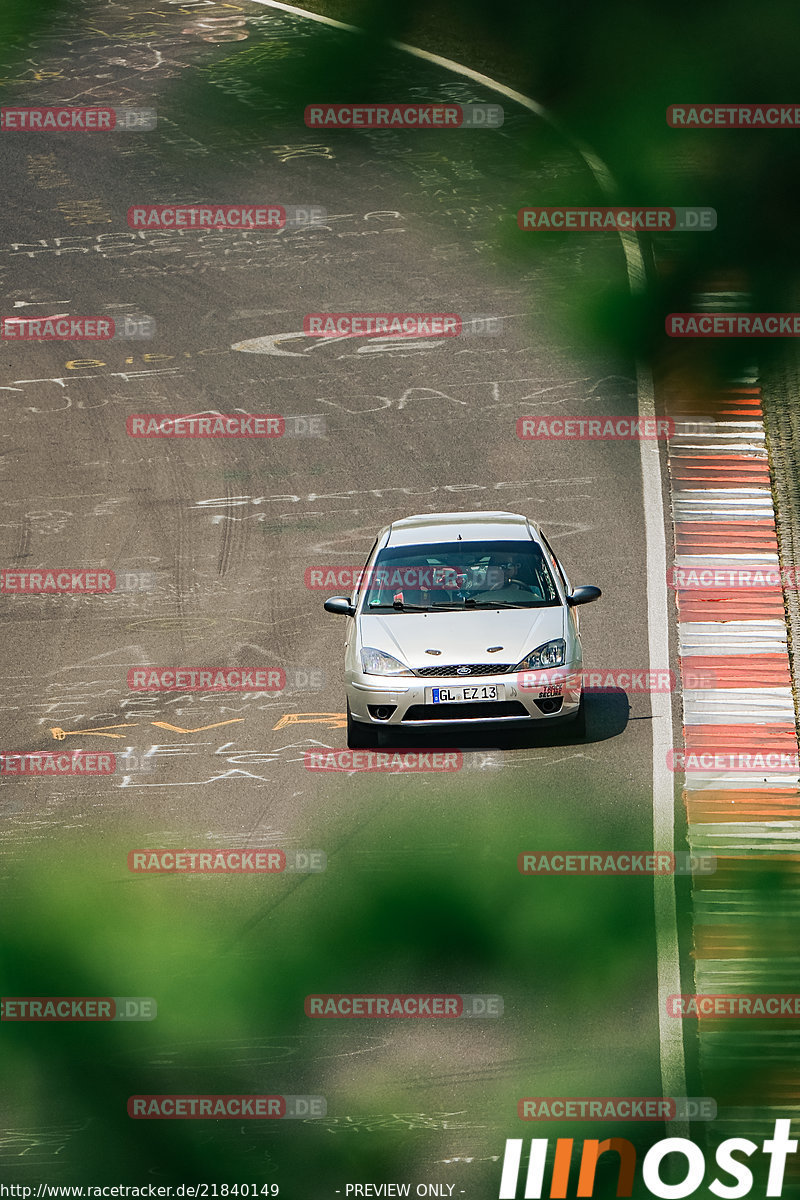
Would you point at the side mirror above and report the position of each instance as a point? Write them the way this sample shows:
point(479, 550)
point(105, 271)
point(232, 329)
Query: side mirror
point(583, 595)
point(340, 605)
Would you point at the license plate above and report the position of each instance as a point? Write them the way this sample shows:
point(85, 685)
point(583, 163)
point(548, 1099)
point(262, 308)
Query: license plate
point(463, 694)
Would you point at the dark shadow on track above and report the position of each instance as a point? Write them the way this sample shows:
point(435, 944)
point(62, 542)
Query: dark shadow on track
point(607, 715)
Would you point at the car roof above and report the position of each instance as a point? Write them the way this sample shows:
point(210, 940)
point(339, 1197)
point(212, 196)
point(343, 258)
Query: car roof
point(471, 526)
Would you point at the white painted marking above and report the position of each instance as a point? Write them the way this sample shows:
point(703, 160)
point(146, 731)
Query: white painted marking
point(673, 1072)
point(729, 562)
point(739, 706)
point(268, 344)
point(39, 303)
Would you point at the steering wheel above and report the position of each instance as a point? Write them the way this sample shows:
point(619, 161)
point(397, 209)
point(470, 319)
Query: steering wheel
point(529, 587)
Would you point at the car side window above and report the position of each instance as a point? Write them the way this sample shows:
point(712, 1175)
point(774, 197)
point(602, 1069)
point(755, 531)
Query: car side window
point(357, 589)
point(556, 564)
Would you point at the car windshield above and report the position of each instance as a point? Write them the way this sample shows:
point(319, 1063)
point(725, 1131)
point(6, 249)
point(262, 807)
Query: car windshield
point(455, 576)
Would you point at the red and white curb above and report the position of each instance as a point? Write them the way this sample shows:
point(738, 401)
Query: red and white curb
point(724, 518)
point(736, 638)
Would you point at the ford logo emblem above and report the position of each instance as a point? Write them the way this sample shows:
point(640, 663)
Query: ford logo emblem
point(463, 671)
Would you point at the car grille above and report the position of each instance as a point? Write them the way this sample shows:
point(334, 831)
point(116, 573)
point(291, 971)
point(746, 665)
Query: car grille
point(473, 668)
point(466, 712)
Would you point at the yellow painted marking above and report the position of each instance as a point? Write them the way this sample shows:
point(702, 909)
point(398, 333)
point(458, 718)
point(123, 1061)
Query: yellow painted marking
point(200, 728)
point(84, 212)
point(332, 720)
point(61, 734)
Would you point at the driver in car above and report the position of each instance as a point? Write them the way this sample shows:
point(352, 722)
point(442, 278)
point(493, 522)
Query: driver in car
point(512, 575)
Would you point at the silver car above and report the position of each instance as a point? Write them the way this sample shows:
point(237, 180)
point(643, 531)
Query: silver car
point(461, 618)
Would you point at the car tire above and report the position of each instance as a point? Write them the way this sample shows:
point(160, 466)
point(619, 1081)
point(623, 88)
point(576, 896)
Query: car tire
point(360, 736)
point(578, 725)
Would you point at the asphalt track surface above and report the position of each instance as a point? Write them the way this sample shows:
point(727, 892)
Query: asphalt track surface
point(226, 531)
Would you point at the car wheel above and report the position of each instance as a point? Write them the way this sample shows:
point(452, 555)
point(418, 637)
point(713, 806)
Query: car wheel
point(578, 725)
point(359, 736)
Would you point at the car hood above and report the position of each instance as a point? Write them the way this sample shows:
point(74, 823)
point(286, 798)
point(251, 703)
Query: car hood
point(462, 637)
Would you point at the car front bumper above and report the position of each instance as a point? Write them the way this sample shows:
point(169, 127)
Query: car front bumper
point(409, 699)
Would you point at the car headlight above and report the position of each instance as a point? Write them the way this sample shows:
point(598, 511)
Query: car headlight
point(551, 654)
point(375, 662)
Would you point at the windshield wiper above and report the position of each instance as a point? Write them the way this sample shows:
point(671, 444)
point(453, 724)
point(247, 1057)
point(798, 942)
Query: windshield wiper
point(399, 606)
point(449, 607)
point(508, 604)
